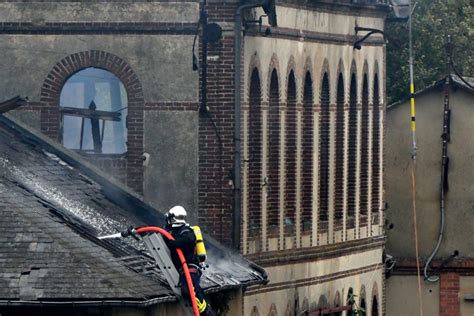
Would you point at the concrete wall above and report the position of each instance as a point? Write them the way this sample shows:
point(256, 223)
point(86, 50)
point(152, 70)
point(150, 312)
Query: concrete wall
point(161, 60)
point(171, 174)
point(459, 200)
point(402, 296)
point(467, 289)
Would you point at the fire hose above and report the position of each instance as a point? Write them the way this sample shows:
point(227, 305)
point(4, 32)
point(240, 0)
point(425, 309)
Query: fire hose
point(187, 275)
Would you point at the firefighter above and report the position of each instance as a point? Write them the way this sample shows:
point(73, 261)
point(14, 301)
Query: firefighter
point(185, 239)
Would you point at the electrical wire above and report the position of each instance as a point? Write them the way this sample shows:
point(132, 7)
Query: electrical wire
point(413, 169)
point(460, 75)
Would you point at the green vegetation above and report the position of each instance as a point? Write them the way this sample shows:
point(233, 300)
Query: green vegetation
point(433, 20)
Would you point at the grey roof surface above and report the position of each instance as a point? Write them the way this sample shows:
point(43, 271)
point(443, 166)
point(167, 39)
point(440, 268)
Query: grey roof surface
point(456, 82)
point(51, 212)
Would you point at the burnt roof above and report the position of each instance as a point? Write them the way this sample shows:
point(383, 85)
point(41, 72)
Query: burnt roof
point(53, 205)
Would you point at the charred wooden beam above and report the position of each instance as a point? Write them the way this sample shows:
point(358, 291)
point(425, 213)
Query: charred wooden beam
point(12, 104)
point(88, 113)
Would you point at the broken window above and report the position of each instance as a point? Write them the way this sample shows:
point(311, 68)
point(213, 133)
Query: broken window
point(93, 106)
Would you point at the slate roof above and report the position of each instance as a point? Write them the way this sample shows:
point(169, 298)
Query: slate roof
point(456, 82)
point(53, 205)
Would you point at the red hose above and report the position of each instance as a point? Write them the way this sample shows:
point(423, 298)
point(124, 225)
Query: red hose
point(187, 275)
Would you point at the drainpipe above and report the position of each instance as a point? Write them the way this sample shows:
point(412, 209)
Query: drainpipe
point(237, 120)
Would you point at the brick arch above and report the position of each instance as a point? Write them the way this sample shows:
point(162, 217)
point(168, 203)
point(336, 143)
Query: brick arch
point(274, 65)
point(307, 68)
point(67, 67)
point(254, 311)
point(325, 70)
point(291, 67)
point(253, 64)
point(353, 69)
point(375, 300)
point(273, 310)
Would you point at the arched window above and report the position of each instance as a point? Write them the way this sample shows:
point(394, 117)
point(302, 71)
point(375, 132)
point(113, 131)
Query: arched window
point(307, 172)
point(274, 154)
point(375, 307)
point(255, 157)
point(93, 106)
point(339, 151)
point(352, 153)
point(324, 151)
point(290, 156)
point(376, 150)
point(364, 152)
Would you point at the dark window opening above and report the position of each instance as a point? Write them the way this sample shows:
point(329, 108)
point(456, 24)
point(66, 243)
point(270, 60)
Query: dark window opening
point(376, 151)
point(352, 154)
point(324, 151)
point(339, 151)
point(255, 154)
point(290, 159)
point(364, 152)
point(307, 143)
point(274, 155)
point(93, 106)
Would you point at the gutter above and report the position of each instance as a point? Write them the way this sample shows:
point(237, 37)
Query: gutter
point(93, 303)
point(237, 120)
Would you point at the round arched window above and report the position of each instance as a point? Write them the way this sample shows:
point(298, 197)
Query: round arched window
point(93, 105)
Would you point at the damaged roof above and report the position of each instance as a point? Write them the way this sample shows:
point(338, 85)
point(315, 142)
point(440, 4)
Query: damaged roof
point(53, 205)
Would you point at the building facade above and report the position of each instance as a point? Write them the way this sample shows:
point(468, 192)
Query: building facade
point(312, 121)
point(451, 269)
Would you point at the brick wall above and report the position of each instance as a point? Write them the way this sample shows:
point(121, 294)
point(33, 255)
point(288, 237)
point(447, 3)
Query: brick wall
point(449, 304)
point(216, 144)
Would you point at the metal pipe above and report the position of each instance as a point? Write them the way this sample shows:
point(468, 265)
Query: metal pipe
point(153, 301)
point(237, 121)
point(444, 161)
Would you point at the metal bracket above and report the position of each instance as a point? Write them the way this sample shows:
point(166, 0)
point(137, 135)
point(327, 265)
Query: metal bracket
point(357, 44)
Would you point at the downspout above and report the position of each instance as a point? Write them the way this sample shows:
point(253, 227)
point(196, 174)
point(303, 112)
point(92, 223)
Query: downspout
point(444, 161)
point(237, 121)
